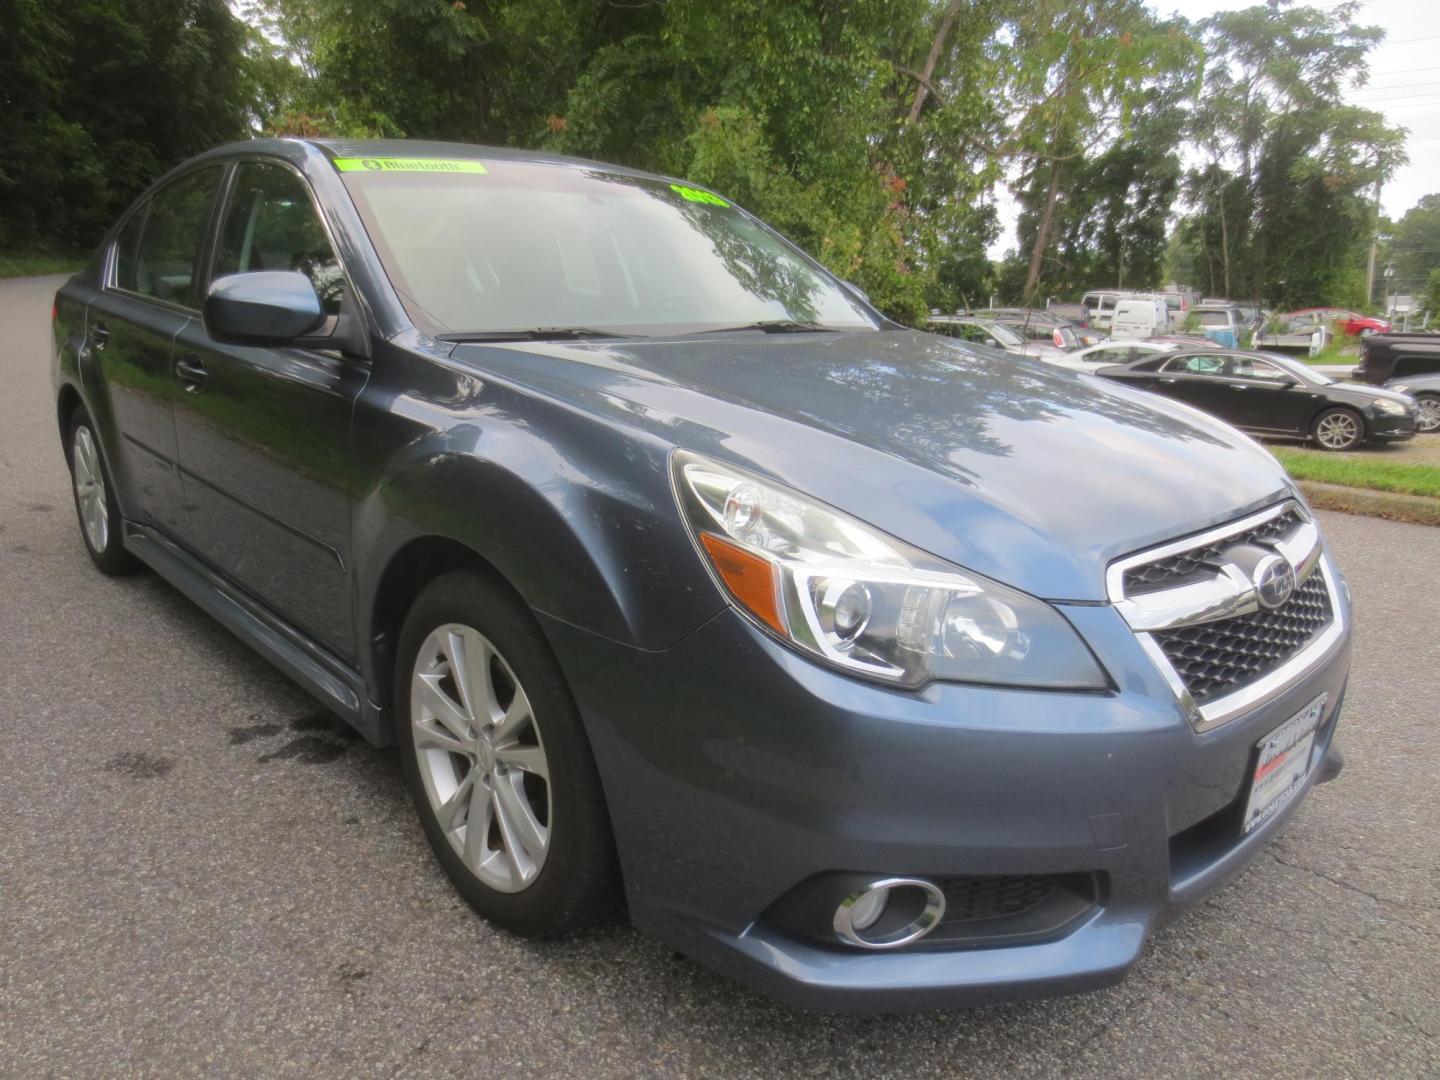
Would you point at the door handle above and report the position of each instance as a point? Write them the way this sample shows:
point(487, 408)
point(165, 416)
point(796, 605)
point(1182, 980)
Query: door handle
point(99, 335)
point(1237, 386)
point(1167, 382)
point(191, 372)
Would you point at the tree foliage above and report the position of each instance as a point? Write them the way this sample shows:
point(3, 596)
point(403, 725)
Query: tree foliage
point(875, 133)
point(97, 97)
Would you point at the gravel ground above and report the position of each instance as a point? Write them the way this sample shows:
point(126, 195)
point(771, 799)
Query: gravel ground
point(199, 873)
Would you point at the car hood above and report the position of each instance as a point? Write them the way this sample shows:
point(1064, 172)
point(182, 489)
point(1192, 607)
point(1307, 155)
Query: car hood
point(1019, 470)
point(1361, 390)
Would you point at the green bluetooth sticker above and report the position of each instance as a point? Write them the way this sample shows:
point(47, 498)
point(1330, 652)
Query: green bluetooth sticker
point(696, 195)
point(398, 164)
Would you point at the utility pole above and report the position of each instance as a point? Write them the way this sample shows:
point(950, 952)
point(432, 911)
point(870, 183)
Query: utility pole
point(1374, 248)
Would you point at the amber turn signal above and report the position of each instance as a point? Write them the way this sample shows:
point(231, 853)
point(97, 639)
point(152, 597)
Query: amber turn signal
point(749, 577)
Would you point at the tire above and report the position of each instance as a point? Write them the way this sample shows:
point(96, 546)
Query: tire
point(1429, 420)
point(97, 511)
point(1338, 429)
point(545, 864)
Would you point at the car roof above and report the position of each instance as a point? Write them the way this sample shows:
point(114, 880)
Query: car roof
point(302, 151)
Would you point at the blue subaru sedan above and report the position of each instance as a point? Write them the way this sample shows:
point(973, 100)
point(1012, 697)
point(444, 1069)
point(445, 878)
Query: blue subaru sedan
point(865, 666)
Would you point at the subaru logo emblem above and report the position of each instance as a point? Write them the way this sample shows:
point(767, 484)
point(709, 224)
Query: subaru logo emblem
point(1274, 581)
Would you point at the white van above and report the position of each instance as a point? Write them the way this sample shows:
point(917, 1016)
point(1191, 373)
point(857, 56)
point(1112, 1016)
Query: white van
point(1099, 308)
point(1139, 317)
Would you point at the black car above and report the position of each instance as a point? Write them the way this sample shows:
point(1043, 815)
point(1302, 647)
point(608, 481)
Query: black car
point(1268, 394)
point(1386, 357)
point(1425, 389)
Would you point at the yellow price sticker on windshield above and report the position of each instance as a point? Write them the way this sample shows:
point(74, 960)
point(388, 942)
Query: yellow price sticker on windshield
point(408, 164)
point(696, 195)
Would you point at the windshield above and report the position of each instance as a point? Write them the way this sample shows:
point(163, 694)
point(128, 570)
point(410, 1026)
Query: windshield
point(1002, 333)
point(520, 245)
point(1303, 372)
point(1212, 318)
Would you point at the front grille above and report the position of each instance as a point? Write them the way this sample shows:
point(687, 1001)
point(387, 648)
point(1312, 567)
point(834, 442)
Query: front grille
point(968, 899)
point(1216, 657)
point(1200, 562)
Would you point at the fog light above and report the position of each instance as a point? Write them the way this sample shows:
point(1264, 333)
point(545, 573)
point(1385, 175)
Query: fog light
point(888, 913)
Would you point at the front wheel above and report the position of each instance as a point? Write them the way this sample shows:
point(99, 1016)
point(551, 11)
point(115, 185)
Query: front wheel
point(1338, 429)
point(497, 760)
point(95, 502)
point(1429, 412)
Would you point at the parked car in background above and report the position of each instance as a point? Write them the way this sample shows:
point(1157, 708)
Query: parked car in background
point(1078, 317)
point(1223, 324)
point(992, 335)
point(1294, 333)
point(1033, 325)
point(1251, 314)
point(1384, 357)
point(865, 670)
point(1349, 323)
point(1178, 301)
point(1122, 352)
point(1099, 308)
point(1139, 317)
point(1270, 394)
point(1425, 389)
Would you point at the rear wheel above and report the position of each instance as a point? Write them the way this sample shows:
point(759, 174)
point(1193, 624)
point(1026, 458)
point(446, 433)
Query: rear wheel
point(1338, 429)
point(95, 502)
point(497, 760)
point(1429, 408)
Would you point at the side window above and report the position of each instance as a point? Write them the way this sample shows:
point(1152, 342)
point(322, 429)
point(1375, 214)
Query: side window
point(1111, 356)
point(1246, 368)
point(127, 249)
point(270, 224)
point(1199, 364)
point(167, 265)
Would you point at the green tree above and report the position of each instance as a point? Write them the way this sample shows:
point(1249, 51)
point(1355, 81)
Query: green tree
point(97, 97)
point(1281, 205)
point(1414, 248)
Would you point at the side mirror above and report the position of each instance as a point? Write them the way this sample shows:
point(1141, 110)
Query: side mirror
point(264, 307)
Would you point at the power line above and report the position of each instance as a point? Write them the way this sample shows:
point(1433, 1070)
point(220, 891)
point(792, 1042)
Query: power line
point(1387, 89)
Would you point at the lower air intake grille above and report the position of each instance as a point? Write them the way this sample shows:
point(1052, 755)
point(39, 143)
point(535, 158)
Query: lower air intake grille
point(1216, 657)
point(968, 899)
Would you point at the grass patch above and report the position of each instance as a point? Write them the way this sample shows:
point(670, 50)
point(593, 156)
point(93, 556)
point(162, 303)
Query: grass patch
point(35, 263)
point(1360, 471)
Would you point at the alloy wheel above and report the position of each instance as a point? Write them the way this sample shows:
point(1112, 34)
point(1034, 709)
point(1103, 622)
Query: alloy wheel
point(1429, 419)
point(1337, 431)
point(90, 489)
point(481, 757)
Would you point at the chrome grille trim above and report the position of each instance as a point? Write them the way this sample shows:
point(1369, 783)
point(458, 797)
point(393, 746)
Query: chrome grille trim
point(1227, 593)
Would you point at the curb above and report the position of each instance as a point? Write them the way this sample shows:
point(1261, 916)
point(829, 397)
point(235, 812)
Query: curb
point(1415, 509)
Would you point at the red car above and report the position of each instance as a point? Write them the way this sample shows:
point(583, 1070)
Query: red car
point(1350, 323)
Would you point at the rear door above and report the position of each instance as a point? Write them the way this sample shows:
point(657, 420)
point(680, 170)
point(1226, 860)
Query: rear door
point(151, 292)
point(1198, 379)
point(264, 433)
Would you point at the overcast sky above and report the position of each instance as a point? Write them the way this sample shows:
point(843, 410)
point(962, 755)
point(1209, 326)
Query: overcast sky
point(1404, 85)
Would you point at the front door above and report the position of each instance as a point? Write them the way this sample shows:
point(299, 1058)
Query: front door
point(1197, 379)
point(149, 295)
point(1269, 398)
point(264, 433)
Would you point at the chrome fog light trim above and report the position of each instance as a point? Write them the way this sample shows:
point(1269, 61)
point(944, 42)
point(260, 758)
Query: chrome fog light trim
point(888, 913)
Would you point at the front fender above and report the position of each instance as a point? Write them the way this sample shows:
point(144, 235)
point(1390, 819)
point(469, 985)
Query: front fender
point(575, 512)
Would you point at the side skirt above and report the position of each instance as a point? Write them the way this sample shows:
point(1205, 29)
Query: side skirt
point(333, 682)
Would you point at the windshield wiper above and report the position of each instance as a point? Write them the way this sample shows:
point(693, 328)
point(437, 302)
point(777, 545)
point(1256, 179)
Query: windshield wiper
point(538, 333)
point(776, 326)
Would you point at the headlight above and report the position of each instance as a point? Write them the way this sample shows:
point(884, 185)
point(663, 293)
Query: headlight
point(865, 602)
point(1394, 408)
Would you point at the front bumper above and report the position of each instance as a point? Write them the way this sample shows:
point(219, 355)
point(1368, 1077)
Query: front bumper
point(736, 770)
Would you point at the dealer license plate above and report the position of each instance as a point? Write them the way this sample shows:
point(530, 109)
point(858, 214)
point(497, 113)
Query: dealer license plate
point(1283, 764)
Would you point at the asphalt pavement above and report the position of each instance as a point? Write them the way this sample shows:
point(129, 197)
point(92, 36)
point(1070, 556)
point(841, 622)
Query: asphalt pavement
point(202, 873)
